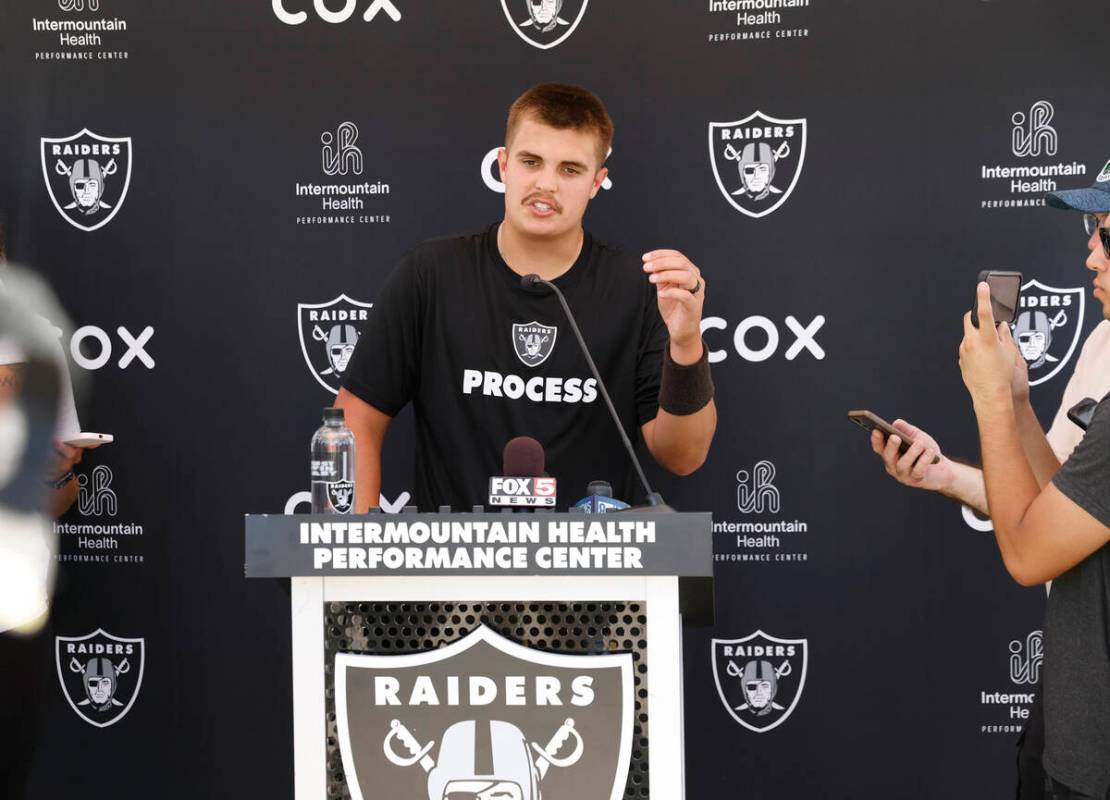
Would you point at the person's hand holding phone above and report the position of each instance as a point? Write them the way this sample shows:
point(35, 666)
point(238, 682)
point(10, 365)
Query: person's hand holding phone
point(987, 355)
point(915, 468)
point(63, 459)
point(1019, 380)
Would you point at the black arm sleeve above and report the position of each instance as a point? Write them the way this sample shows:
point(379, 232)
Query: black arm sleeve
point(384, 370)
point(649, 357)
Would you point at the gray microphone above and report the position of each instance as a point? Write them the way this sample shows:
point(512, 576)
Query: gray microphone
point(533, 283)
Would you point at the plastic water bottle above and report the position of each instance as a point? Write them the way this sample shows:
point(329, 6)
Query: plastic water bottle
point(333, 466)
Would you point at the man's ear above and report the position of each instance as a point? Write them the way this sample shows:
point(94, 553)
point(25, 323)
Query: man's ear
point(599, 179)
point(502, 161)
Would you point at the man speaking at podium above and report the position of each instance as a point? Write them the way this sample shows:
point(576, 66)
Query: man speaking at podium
point(484, 359)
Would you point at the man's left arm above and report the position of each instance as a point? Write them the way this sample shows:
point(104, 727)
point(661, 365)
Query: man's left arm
point(682, 430)
point(1041, 533)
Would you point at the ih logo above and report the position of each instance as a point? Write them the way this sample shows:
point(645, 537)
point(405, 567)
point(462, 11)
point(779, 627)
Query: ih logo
point(760, 678)
point(1026, 659)
point(533, 342)
point(756, 493)
point(101, 675)
point(338, 151)
point(1032, 135)
point(96, 498)
point(768, 154)
point(87, 176)
point(329, 332)
point(544, 23)
point(485, 718)
point(79, 5)
point(1048, 327)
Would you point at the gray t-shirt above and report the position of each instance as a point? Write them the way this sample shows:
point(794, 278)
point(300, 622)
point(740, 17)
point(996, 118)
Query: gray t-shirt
point(1077, 631)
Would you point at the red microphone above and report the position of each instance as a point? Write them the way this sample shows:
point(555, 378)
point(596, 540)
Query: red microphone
point(523, 481)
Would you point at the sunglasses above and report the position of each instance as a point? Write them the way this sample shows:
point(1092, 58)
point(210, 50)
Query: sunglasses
point(1091, 224)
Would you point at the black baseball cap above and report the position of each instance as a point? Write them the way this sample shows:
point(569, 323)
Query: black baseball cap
point(1095, 199)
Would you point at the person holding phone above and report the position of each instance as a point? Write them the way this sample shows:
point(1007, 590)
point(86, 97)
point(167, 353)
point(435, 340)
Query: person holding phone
point(1051, 510)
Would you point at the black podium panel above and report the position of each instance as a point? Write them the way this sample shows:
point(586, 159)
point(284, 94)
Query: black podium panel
point(582, 628)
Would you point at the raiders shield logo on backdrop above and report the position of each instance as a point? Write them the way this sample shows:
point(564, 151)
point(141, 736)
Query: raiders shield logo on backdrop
point(533, 342)
point(544, 23)
point(329, 332)
point(757, 160)
point(1047, 328)
point(485, 717)
point(101, 674)
point(87, 176)
point(760, 678)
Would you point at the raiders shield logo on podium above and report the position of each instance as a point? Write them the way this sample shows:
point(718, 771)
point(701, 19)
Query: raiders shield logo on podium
point(485, 717)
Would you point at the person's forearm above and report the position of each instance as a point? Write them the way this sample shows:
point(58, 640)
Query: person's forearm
point(967, 487)
point(681, 443)
point(61, 500)
point(1010, 481)
point(1042, 459)
point(368, 476)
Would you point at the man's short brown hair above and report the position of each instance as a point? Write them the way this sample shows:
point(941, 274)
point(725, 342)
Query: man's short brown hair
point(563, 106)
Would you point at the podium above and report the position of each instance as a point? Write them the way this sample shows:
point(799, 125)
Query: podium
point(451, 654)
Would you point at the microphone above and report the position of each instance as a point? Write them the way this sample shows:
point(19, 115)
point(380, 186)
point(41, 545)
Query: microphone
point(532, 283)
point(523, 481)
point(599, 499)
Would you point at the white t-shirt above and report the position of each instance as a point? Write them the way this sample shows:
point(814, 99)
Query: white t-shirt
point(1090, 379)
point(68, 425)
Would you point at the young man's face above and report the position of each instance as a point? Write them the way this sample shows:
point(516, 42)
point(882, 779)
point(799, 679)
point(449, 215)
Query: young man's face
point(550, 176)
point(1098, 262)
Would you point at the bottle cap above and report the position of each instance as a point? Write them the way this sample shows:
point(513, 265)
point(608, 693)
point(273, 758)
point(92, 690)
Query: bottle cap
point(601, 488)
point(333, 415)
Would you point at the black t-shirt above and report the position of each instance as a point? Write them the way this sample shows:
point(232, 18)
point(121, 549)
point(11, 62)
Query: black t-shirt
point(1077, 631)
point(483, 360)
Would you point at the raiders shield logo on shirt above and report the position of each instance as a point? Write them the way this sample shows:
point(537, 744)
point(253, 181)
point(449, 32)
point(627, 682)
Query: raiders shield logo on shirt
point(544, 23)
point(533, 342)
point(1047, 328)
point(87, 176)
point(760, 678)
point(757, 161)
point(101, 674)
point(485, 717)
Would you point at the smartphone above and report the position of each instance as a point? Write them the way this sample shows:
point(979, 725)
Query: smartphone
point(1082, 412)
point(1005, 295)
point(869, 422)
point(89, 440)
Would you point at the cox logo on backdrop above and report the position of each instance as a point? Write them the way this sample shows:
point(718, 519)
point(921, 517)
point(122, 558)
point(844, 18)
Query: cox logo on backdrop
point(92, 348)
point(544, 23)
point(757, 161)
point(492, 178)
point(760, 678)
point(87, 176)
point(282, 12)
point(746, 339)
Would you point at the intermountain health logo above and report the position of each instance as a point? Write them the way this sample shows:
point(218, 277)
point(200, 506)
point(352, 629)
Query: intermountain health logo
point(1034, 142)
point(87, 176)
point(1007, 711)
point(760, 678)
point(1048, 327)
point(342, 202)
point(485, 718)
point(757, 161)
point(544, 23)
point(98, 536)
point(81, 33)
point(100, 674)
point(755, 20)
point(328, 333)
point(760, 534)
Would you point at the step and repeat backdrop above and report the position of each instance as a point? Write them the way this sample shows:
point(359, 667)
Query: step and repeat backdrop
point(217, 190)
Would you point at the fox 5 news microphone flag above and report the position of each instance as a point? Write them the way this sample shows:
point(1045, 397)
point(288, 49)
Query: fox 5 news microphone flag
point(218, 190)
